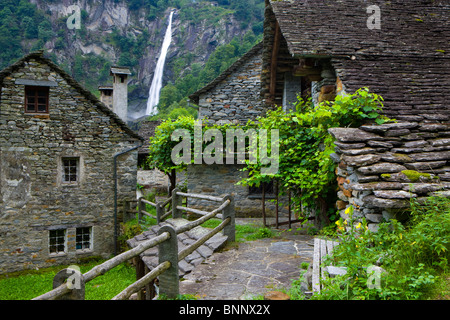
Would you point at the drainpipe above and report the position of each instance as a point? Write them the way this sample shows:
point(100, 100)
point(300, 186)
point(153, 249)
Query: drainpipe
point(115, 192)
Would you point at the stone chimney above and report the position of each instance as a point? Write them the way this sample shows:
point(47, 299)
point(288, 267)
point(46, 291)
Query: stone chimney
point(106, 95)
point(120, 91)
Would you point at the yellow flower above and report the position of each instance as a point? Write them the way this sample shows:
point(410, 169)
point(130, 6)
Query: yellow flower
point(358, 225)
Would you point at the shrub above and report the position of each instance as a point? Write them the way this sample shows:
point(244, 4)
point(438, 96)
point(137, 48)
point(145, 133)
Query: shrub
point(414, 255)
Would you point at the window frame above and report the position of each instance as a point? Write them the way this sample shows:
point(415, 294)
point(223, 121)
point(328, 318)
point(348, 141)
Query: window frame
point(36, 97)
point(64, 168)
point(83, 241)
point(57, 243)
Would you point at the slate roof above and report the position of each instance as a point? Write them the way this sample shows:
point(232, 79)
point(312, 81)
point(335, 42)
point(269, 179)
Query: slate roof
point(147, 130)
point(407, 61)
point(331, 27)
point(39, 56)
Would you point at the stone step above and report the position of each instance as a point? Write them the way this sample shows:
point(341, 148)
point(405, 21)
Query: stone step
point(150, 256)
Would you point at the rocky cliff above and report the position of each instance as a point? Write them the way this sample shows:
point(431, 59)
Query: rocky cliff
point(112, 33)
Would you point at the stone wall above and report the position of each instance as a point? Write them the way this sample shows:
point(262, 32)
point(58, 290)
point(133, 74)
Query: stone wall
point(235, 98)
point(381, 167)
point(219, 180)
point(33, 200)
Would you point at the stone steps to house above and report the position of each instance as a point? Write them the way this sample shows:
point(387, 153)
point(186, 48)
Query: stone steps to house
point(150, 256)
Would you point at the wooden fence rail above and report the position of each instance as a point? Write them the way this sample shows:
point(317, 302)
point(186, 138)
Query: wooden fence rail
point(169, 256)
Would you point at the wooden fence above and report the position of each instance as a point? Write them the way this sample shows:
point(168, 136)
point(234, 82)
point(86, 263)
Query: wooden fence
point(69, 284)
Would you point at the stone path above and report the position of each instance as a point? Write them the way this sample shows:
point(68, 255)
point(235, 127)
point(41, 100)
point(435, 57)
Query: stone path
point(238, 272)
point(250, 269)
point(150, 256)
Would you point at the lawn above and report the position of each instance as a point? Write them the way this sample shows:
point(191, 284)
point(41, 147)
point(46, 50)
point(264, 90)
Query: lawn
point(27, 285)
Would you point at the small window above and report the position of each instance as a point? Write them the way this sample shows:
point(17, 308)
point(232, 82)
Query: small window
point(36, 99)
point(57, 241)
point(70, 170)
point(84, 238)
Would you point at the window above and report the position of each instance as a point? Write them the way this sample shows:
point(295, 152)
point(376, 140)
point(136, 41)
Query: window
point(57, 241)
point(36, 99)
point(70, 170)
point(84, 238)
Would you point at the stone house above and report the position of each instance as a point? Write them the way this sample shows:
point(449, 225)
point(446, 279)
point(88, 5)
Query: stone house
point(67, 163)
point(324, 48)
point(233, 97)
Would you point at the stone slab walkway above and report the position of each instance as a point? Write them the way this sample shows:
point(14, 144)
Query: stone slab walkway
point(250, 269)
point(150, 256)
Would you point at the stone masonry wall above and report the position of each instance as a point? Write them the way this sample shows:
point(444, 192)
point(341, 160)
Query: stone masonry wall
point(219, 180)
point(381, 167)
point(33, 199)
point(236, 98)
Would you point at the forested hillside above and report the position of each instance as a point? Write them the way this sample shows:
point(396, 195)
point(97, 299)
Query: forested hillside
point(207, 37)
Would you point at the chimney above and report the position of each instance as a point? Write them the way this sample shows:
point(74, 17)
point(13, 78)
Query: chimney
point(106, 96)
point(120, 91)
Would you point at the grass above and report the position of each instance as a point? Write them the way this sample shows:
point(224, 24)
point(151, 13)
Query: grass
point(27, 285)
point(247, 232)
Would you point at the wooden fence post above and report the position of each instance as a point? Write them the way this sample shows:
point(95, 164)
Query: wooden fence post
point(229, 212)
point(75, 282)
point(159, 212)
point(176, 201)
point(140, 272)
point(141, 207)
point(168, 251)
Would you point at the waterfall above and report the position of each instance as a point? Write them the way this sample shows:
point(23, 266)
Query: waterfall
point(156, 86)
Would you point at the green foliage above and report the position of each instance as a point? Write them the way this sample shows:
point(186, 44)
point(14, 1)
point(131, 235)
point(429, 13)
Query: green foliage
point(21, 20)
point(128, 230)
point(245, 232)
point(305, 165)
point(161, 144)
point(414, 255)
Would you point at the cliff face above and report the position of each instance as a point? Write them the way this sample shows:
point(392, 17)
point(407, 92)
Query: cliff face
point(102, 20)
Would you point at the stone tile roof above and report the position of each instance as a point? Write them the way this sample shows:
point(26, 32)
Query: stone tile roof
point(147, 130)
point(38, 56)
point(406, 61)
point(330, 27)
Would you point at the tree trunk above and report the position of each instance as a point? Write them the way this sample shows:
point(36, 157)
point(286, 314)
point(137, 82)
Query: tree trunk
point(172, 180)
point(322, 213)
